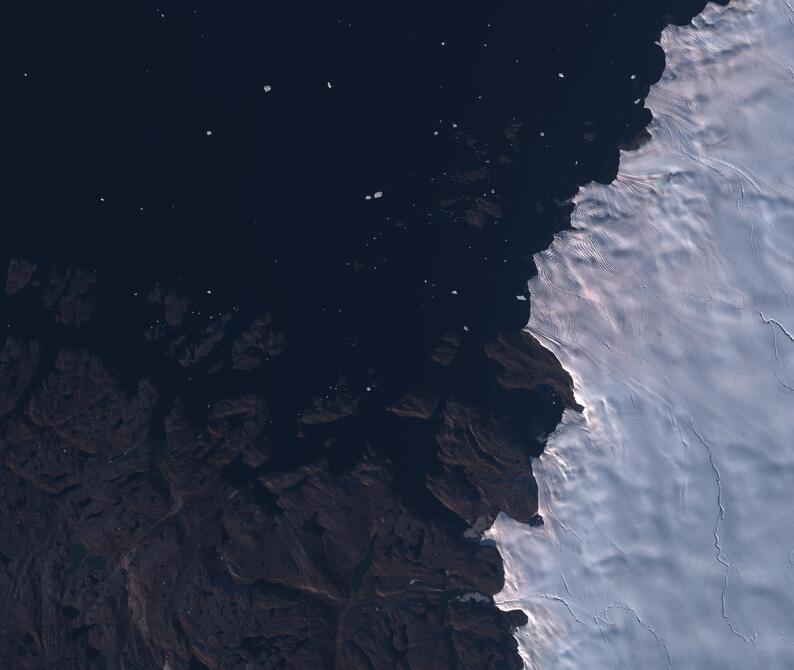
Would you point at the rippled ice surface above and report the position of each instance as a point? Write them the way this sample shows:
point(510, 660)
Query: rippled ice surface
point(669, 506)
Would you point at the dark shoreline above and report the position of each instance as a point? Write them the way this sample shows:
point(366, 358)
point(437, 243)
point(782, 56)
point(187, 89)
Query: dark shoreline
point(298, 399)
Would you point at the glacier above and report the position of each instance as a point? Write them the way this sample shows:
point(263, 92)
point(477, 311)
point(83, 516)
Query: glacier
point(669, 502)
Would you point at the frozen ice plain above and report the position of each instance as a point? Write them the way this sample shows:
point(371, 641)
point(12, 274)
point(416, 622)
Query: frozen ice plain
point(669, 505)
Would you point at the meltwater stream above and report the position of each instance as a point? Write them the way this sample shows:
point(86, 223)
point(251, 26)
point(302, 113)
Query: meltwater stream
point(669, 505)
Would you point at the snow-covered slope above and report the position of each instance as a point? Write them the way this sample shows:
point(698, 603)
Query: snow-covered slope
point(669, 506)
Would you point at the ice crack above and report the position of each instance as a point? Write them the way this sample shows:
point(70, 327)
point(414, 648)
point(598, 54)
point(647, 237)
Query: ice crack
point(769, 322)
point(650, 629)
point(563, 601)
point(720, 554)
point(772, 323)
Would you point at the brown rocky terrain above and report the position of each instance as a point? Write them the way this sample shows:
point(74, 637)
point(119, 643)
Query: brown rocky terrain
point(121, 549)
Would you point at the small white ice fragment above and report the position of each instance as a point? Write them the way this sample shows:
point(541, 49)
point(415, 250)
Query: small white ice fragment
point(466, 328)
point(267, 88)
point(523, 298)
point(561, 75)
point(454, 292)
point(328, 84)
point(367, 197)
point(209, 132)
point(377, 194)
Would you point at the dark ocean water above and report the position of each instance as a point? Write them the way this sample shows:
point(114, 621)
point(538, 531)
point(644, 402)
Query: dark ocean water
point(107, 160)
point(375, 177)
